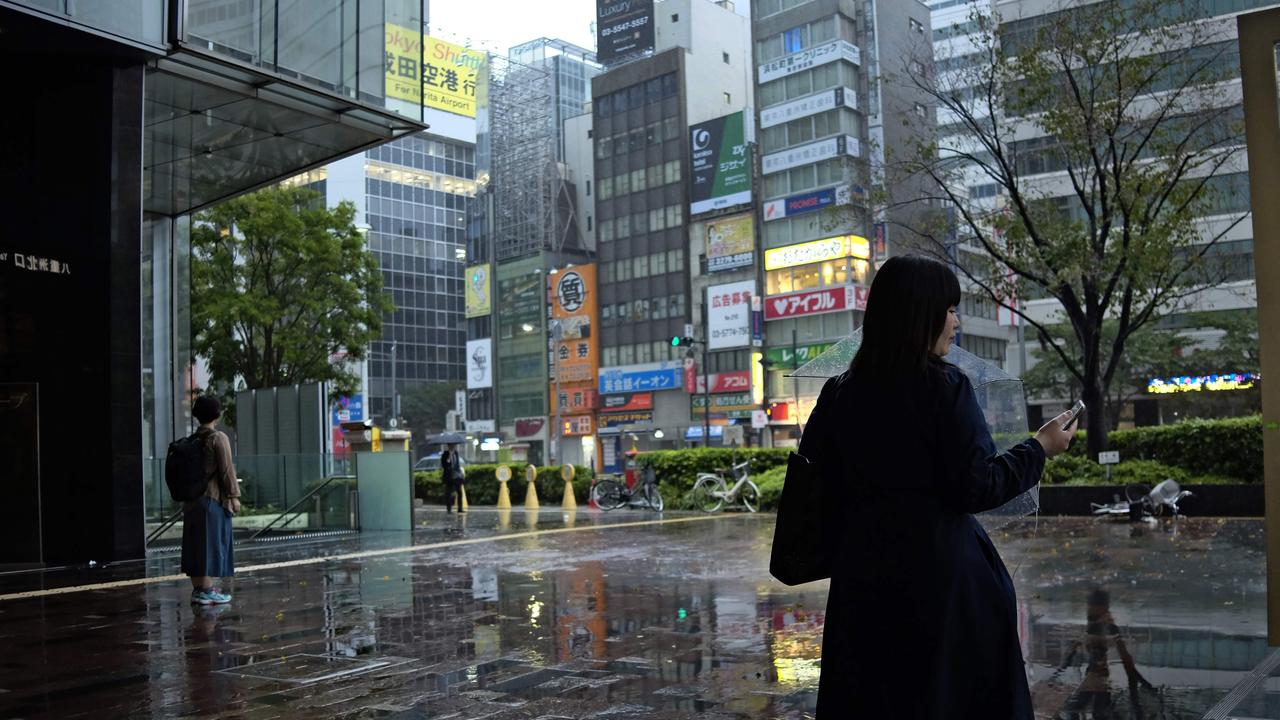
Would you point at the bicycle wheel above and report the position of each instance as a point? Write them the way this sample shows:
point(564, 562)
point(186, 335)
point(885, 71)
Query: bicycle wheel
point(750, 495)
point(653, 498)
point(703, 497)
point(609, 494)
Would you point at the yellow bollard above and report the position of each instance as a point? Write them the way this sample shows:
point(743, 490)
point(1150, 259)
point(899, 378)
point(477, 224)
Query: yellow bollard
point(570, 502)
point(504, 515)
point(531, 495)
point(463, 490)
point(504, 496)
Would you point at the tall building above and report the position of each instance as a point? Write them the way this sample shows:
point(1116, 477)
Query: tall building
point(163, 107)
point(825, 119)
point(525, 227)
point(642, 108)
point(1231, 259)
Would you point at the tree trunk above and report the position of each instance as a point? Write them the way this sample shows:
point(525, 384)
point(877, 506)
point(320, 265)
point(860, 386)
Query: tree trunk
point(1095, 413)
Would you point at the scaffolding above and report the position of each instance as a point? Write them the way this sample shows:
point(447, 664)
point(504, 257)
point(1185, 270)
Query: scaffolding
point(518, 149)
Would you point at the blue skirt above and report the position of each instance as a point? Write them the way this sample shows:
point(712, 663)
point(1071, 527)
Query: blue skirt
point(206, 540)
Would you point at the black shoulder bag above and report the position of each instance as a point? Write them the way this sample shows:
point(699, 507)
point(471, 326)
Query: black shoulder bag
point(801, 549)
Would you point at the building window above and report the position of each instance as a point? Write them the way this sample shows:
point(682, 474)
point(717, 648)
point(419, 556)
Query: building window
point(675, 17)
point(728, 99)
point(725, 55)
point(588, 223)
point(588, 188)
point(916, 26)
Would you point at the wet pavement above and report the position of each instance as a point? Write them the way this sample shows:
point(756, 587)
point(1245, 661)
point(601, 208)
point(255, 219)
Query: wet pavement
point(676, 620)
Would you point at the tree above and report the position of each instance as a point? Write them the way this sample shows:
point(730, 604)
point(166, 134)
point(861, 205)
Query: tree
point(424, 406)
point(279, 286)
point(1123, 102)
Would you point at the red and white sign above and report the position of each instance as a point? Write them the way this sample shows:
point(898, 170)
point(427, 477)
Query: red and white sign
point(627, 402)
point(727, 382)
point(815, 302)
point(729, 315)
point(690, 373)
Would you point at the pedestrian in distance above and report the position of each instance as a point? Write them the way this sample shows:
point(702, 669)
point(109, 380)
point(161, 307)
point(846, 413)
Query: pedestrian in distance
point(453, 475)
point(206, 520)
point(921, 616)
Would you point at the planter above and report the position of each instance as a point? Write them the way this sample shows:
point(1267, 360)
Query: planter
point(1207, 500)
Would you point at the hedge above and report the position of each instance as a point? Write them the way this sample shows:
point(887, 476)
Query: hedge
point(677, 470)
point(482, 485)
point(1230, 448)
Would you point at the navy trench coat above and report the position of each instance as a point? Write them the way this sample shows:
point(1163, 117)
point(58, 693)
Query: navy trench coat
point(921, 616)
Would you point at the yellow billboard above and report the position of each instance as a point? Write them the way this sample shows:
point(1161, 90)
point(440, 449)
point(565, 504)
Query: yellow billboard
point(477, 283)
point(730, 242)
point(435, 73)
point(832, 248)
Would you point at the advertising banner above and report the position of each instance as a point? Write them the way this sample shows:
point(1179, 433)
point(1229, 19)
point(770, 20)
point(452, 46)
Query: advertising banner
point(813, 57)
point(726, 382)
point(721, 175)
point(627, 402)
point(665, 375)
point(810, 105)
point(623, 28)
point(618, 420)
point(811, 153)
point(730, 242)
point(815, 302)
point(806, 202)
point(832, 248)
point(576, 400)
point(573, 305)
point(476, 286)
point(729, 315)
point(789, 357)
point(577, 426)
point(435, 73)
point(479, 364)
point(738, 405)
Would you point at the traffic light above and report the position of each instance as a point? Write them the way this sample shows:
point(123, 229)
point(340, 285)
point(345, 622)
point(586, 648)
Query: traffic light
point(681, 341)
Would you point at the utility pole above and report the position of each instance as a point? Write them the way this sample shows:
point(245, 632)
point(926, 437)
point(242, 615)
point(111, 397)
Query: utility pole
point(395, 390)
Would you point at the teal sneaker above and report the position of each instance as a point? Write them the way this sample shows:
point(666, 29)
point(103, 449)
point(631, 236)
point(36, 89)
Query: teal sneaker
point(211, 596)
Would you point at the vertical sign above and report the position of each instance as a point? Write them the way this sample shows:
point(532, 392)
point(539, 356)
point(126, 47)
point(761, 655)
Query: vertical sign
point(573, 304)
point(476, 287)
point(729, 315)
point(721, 175)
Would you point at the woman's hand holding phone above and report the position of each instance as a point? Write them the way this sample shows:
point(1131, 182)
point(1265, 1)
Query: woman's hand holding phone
point(1054, 438)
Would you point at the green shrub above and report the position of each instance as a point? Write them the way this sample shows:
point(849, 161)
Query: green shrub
point(770, 484)
point(677, 470)
point(482, 485)
point(1230, 448)
point(1077, 470)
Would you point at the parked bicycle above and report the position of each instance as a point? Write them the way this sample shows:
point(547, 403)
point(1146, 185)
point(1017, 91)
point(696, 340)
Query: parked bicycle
point(712, 491)
point(611, 494)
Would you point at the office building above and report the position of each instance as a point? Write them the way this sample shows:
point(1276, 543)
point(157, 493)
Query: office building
point(825, 118)
point(163, 108)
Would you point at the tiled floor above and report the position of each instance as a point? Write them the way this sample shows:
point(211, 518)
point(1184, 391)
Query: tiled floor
point(658, 621)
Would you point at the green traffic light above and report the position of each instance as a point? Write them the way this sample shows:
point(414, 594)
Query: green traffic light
point(675, 341)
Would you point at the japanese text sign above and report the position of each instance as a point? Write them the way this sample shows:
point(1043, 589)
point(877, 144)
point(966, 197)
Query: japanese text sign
point(729, 315)
point(832, 248)
point(814, 302)
point(665, 375)
point(435, 73)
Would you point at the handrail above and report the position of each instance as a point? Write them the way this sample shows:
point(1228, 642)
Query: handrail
point(170, 522)
point(301, 500)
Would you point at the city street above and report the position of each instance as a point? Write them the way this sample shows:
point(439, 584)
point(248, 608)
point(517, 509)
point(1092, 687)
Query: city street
point(548, 615)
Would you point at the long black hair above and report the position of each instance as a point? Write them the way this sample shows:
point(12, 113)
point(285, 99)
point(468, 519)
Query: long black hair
point(906, 312)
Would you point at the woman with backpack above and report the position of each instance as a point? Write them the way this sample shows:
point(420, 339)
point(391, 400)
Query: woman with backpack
point(206, 520)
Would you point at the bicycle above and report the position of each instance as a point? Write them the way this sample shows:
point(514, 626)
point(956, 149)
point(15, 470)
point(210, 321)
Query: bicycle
point(711, 491)
point(611, 494)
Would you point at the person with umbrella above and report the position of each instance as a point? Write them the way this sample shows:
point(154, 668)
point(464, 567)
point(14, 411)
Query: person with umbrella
point(451, 471)
point(921, 615)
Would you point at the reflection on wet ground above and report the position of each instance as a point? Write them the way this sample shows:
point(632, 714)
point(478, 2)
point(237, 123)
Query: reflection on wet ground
point(658, 621)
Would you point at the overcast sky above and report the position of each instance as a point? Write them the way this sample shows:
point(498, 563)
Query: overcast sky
point(497, 25)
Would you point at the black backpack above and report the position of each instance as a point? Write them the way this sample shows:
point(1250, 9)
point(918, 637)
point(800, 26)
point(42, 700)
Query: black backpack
point(184, 468)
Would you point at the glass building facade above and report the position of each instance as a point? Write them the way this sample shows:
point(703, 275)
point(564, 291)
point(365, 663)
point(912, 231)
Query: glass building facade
point(417, 193)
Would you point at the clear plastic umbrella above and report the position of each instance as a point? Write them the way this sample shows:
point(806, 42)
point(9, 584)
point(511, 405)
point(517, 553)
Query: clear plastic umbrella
point(1000, 395)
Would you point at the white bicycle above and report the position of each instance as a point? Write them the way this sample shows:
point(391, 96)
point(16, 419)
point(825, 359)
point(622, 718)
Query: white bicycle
point(711, 491)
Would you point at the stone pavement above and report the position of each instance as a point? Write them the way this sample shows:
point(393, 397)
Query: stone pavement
point(478, 617)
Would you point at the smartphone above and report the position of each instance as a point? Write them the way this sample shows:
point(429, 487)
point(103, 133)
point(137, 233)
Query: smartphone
point(1075, 414)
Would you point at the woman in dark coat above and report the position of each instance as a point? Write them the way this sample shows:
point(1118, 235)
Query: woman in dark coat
point(921, 617)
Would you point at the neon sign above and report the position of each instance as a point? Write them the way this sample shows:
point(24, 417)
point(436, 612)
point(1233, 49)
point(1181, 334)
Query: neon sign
point(1210, 383)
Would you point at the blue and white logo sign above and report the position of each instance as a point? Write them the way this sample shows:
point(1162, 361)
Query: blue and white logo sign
point(807, 202)
point(348, 409)
point(665, 375)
